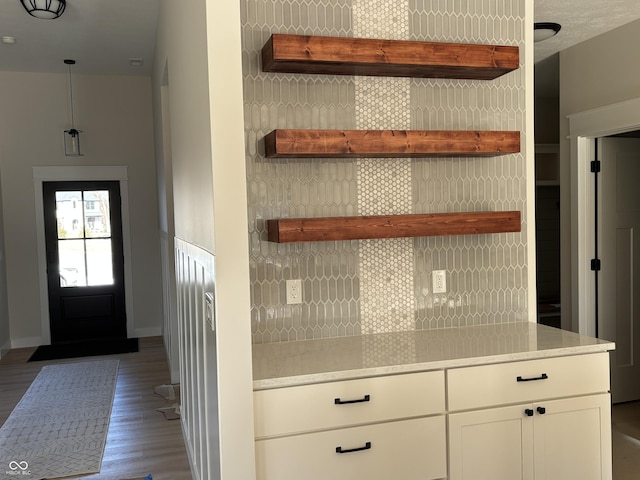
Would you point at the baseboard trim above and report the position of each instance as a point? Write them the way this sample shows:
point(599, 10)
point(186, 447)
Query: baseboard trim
point(147, 332)
point(27, 342)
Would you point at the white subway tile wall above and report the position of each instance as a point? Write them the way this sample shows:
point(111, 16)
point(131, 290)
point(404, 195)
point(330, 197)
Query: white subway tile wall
point(359, 287)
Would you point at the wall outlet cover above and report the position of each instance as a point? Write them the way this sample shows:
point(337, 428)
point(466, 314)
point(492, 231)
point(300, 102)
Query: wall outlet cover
point(439, 281)
point(294, 291)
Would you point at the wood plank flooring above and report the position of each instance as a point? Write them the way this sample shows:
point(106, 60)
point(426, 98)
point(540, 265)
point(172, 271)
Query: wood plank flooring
point(140, 440)
point(625, 436)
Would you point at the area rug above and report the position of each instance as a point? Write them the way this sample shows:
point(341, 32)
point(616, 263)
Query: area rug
point(84, 349)
point(59, 427)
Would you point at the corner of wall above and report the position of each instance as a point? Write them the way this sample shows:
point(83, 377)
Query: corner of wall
point(4, 349)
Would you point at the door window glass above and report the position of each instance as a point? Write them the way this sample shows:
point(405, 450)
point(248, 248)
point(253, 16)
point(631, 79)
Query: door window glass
point(84, 238)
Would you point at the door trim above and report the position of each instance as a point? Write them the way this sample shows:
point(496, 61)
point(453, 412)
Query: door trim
point(81, 173)
point(584, 128)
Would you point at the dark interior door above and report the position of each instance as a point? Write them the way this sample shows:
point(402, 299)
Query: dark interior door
point(85, 261)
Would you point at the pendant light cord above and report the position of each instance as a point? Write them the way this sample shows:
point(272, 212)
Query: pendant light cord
point(73, 124)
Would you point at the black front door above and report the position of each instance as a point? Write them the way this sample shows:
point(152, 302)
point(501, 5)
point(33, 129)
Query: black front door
point(85, 262)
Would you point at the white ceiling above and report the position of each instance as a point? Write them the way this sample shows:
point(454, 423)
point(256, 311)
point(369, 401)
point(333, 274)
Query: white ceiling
point(581, 20)
point(103, 34)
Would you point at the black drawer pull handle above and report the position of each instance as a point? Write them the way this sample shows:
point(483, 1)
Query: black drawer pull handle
point(528, 412)
point(541, 410)
point(338, 401)
point(367, 446)
point(544, 376)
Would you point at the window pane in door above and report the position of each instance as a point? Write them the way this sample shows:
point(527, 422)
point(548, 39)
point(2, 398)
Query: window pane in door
point(69, 214)
point(96, 213)
point(72, 266)
point(99, 265)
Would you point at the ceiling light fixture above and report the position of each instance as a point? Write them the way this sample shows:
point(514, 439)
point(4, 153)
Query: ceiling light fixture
point(72, 136)
point(45, 9)
point(545, 30)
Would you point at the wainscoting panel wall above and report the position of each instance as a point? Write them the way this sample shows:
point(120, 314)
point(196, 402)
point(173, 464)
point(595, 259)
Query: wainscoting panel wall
point(170, 320)
point(194, 274)
point(371, 286)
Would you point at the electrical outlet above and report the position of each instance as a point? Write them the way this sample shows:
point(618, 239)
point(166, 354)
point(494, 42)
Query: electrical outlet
point(294, 291)
point(439, 278)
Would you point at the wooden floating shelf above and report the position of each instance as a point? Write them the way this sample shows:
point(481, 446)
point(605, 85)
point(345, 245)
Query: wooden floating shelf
point(389, 143)
point(287, 230)
point(393, 58)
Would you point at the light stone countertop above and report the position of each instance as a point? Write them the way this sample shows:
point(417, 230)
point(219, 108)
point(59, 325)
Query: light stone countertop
point(286, 364)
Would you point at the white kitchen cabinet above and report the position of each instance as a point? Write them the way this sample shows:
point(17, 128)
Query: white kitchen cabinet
point(562, 433)
point(375, 428)
point(464, 406)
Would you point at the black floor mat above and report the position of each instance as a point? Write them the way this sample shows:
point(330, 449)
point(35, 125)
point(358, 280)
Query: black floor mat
point(85, 349)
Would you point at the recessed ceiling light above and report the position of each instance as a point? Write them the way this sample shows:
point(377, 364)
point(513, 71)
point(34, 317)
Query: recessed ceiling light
point(8, 39)
point(136, 62)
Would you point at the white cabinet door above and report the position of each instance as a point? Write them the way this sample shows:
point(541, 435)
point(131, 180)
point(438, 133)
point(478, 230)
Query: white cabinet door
point(494, 444)
point(567, 439)
point(572, 439)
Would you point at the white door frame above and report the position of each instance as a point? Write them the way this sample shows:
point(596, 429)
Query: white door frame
point(584, 127)
point(81, 173)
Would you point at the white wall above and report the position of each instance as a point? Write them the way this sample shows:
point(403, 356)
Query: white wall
point(593, 74)
point(5, 338)
point(182, 46)
point(199, 40)
point(115, 113)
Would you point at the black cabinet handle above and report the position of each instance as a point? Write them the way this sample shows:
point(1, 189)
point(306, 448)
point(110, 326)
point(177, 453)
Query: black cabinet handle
point(528, 412)
point(541, 410)
point(338, 401)
point(367, 446)
point(544, 376)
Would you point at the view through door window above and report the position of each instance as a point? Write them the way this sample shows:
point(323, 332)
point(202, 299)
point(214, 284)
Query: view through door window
point(84, 238)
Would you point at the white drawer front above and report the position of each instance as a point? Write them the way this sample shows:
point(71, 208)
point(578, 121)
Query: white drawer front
point(526, 381)
point(324, 406)
point(408, 450)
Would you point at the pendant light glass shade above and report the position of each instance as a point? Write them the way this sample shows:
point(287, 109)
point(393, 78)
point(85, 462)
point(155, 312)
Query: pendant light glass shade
point(72, 136)
point(72, 143)
point(45, 9)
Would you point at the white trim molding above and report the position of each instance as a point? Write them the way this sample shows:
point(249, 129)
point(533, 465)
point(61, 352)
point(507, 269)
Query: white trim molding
point(81, 173)
point(584, 128)
point(4, 349)
point(26, 342)
point(146, 332)
point(529, 142)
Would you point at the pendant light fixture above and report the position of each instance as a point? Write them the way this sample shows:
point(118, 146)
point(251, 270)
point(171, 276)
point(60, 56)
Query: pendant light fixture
point(72, 136)
point(45, 9)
